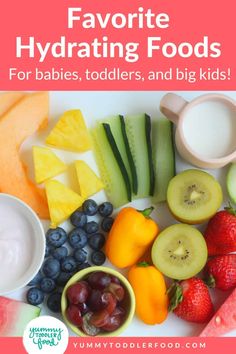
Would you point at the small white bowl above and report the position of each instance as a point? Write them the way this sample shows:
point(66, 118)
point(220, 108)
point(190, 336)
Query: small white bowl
point(33, 247)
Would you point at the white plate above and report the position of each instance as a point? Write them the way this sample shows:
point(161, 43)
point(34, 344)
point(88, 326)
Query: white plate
point(97, 105)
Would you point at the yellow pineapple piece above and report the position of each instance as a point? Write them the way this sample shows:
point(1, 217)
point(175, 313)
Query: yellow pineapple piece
point(46, 164)
point(70, 133)
point(62, 201)
point(89, 183)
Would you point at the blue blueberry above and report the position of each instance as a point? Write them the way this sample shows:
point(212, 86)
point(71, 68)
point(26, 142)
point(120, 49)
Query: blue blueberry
point(36, 280)
point(63, 278)
point(80, 256)
point(84, 266)
point(105, 209)
point(60, 253)
point(78, 219)
point(96, 241)
point(78, 238)
point(51, 268)
point(90, 207)
point(68, 264)
point(35, 296)
point(47, 285)
point(54, 302)
point(48, 250)
point(56, 237)
point(91, 227)
point(98, 258)
point(107, 223)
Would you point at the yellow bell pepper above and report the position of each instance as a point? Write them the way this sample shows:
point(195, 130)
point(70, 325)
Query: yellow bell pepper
point(150, 293)
point(131, 235)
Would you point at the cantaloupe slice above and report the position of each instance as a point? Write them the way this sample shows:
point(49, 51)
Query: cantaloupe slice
point(8, 99)
point(25, 118)
point(46, 164)
point(62, 201)
point(18, 123)
point(70, 133)
point(88, 181)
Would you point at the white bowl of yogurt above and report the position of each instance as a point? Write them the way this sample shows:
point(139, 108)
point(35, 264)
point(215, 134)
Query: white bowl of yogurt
point(22, 244)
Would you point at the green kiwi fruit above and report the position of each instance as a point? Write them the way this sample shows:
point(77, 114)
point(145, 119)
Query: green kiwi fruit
point(230, 182)
point(194, 196)
point(179, 251)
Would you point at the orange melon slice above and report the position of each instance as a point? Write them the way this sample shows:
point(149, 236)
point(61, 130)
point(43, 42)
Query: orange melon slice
point(8, 99)
point(18, 123)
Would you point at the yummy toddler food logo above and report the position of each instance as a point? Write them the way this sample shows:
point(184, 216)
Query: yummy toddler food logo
point(45, 334)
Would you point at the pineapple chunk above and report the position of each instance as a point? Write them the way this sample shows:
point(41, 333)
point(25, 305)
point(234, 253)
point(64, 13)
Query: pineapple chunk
point(70, 133)
point(62, 201)
point(89, 183)
point(46, 164)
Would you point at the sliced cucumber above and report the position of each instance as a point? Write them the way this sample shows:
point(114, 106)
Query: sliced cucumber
point(231, 182)
point(138, 129)
point(163, 157)
point(118, 158)
point(132, 167)
point(109, 169)
point(148, 129)
point(118, 129)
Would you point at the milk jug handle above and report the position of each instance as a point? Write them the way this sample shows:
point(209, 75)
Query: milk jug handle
point(172, 105)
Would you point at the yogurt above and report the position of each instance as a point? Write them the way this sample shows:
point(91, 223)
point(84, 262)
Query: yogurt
point(16, 245)
point(22, 244)
point(209, 129)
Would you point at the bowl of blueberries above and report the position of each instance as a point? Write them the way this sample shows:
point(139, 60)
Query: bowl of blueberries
point(98, 301)
point(70, 249)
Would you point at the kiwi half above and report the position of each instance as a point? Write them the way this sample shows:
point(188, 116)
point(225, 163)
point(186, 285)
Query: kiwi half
point(180, 251)
point(194, 196)
point(230, 182)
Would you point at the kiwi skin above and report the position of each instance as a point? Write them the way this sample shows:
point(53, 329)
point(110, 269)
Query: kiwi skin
point(192, 222)
point(218, 202)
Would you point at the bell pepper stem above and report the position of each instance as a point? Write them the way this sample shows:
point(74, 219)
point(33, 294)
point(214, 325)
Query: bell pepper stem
point(143, 264)
point(146, 212)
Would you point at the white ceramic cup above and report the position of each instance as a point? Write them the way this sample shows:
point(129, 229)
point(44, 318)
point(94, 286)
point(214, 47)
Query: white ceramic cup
point(37, 243)
point(178, 110)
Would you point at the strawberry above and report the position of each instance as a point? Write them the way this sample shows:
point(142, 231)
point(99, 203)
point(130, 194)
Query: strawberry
point(220, 272)
point(220, 233)
point(190, 300)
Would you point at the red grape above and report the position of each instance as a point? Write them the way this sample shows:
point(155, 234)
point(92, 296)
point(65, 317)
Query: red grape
point(110, 302)
point(112, 324)
point(83, 308)
point(87, 327)
point(100, 318)
point(74, 315)
point(114, 279)
point(78, 292)
point(95, 302)
point(119, 311)
point(117, 290)
point(99, 280)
